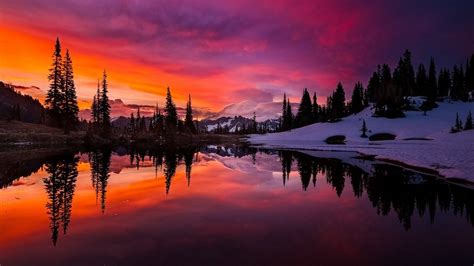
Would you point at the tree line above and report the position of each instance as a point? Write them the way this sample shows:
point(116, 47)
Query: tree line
point(388, 91)
point(164, 123)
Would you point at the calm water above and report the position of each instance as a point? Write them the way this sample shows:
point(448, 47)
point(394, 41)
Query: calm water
point(228, 207)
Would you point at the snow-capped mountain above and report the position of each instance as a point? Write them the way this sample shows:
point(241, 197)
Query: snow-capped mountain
point(246, 109)
point(236, 123)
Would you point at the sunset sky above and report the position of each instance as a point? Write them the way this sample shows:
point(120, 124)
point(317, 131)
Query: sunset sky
point(223, 52)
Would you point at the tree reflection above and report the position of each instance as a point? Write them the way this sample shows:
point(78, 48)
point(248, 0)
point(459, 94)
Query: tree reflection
point(286, 159)
point(100, 163)
point(388, 188)
point(59, 186)
point(188, 161)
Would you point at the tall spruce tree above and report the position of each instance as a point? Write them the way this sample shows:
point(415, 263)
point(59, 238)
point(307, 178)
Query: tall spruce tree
point(54, 96)
point(289, 114)
point(406, 78)
point(339, 101)
point(444, 82)
point(373, 87)
point(470, 74)
point(188, 121)
point(357, 99)
point(284, 122)
point(104, 107)
point(69, 108)
point(305, 114)
point(94, 110)
point(96, 120)
point(315, 108)
point(171, 118)
point(432, 85)
point(421, 87)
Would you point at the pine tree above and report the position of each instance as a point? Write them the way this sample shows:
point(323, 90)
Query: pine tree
point(289, 114)
point(69, 108)
point(95, 107)
point(470, 74)
point(188, 122)
point(305, 114)
point(284, 117)
point(104, 107)
point(406, 78)
point(421, 81)
point(94, 110)
point(315, 108)
point(339, 101)
point(432, 86)
point(54, 96)
point(444, 82)
point(357, 99)
point(374, 86)
point(171, 117)
point(468, 124)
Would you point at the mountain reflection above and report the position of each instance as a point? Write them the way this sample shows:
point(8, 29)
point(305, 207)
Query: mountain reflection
point(388, 188)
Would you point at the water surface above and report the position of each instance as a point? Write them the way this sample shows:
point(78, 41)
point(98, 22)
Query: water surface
point(217, 206)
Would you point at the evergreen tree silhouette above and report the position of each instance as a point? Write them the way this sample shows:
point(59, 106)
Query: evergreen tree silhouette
point(188, 122)
point(69, 108)
point(339, 101)
point(470, 74)
point(315, 108)
point(421, 81)
point(289, 114)
point(104, 107)
point(444, 82)
point(284, 118)
point(432, 85)
point(54, 96)
point(305, 113)
point(374, 86)
point(171, 117)
point(357, 99)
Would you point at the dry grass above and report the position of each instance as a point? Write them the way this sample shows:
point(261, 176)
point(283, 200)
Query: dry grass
point(15, 132)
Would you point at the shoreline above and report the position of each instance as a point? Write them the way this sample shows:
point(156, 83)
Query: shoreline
point(370, 156)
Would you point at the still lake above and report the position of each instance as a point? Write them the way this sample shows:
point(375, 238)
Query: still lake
point(223, 206)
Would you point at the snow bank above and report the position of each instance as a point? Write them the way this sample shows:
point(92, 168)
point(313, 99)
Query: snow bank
point(452, 155)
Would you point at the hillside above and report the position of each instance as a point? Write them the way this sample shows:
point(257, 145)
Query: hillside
point(423, 141)
point(30, 110)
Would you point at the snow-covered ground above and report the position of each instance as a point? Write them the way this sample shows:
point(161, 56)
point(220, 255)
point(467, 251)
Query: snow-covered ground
point(452, 155)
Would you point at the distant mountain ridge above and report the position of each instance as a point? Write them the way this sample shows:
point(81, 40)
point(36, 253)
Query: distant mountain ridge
point(14, 105)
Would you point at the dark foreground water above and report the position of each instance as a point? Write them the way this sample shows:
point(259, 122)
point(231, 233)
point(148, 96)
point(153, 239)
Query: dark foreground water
point(228, 207)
